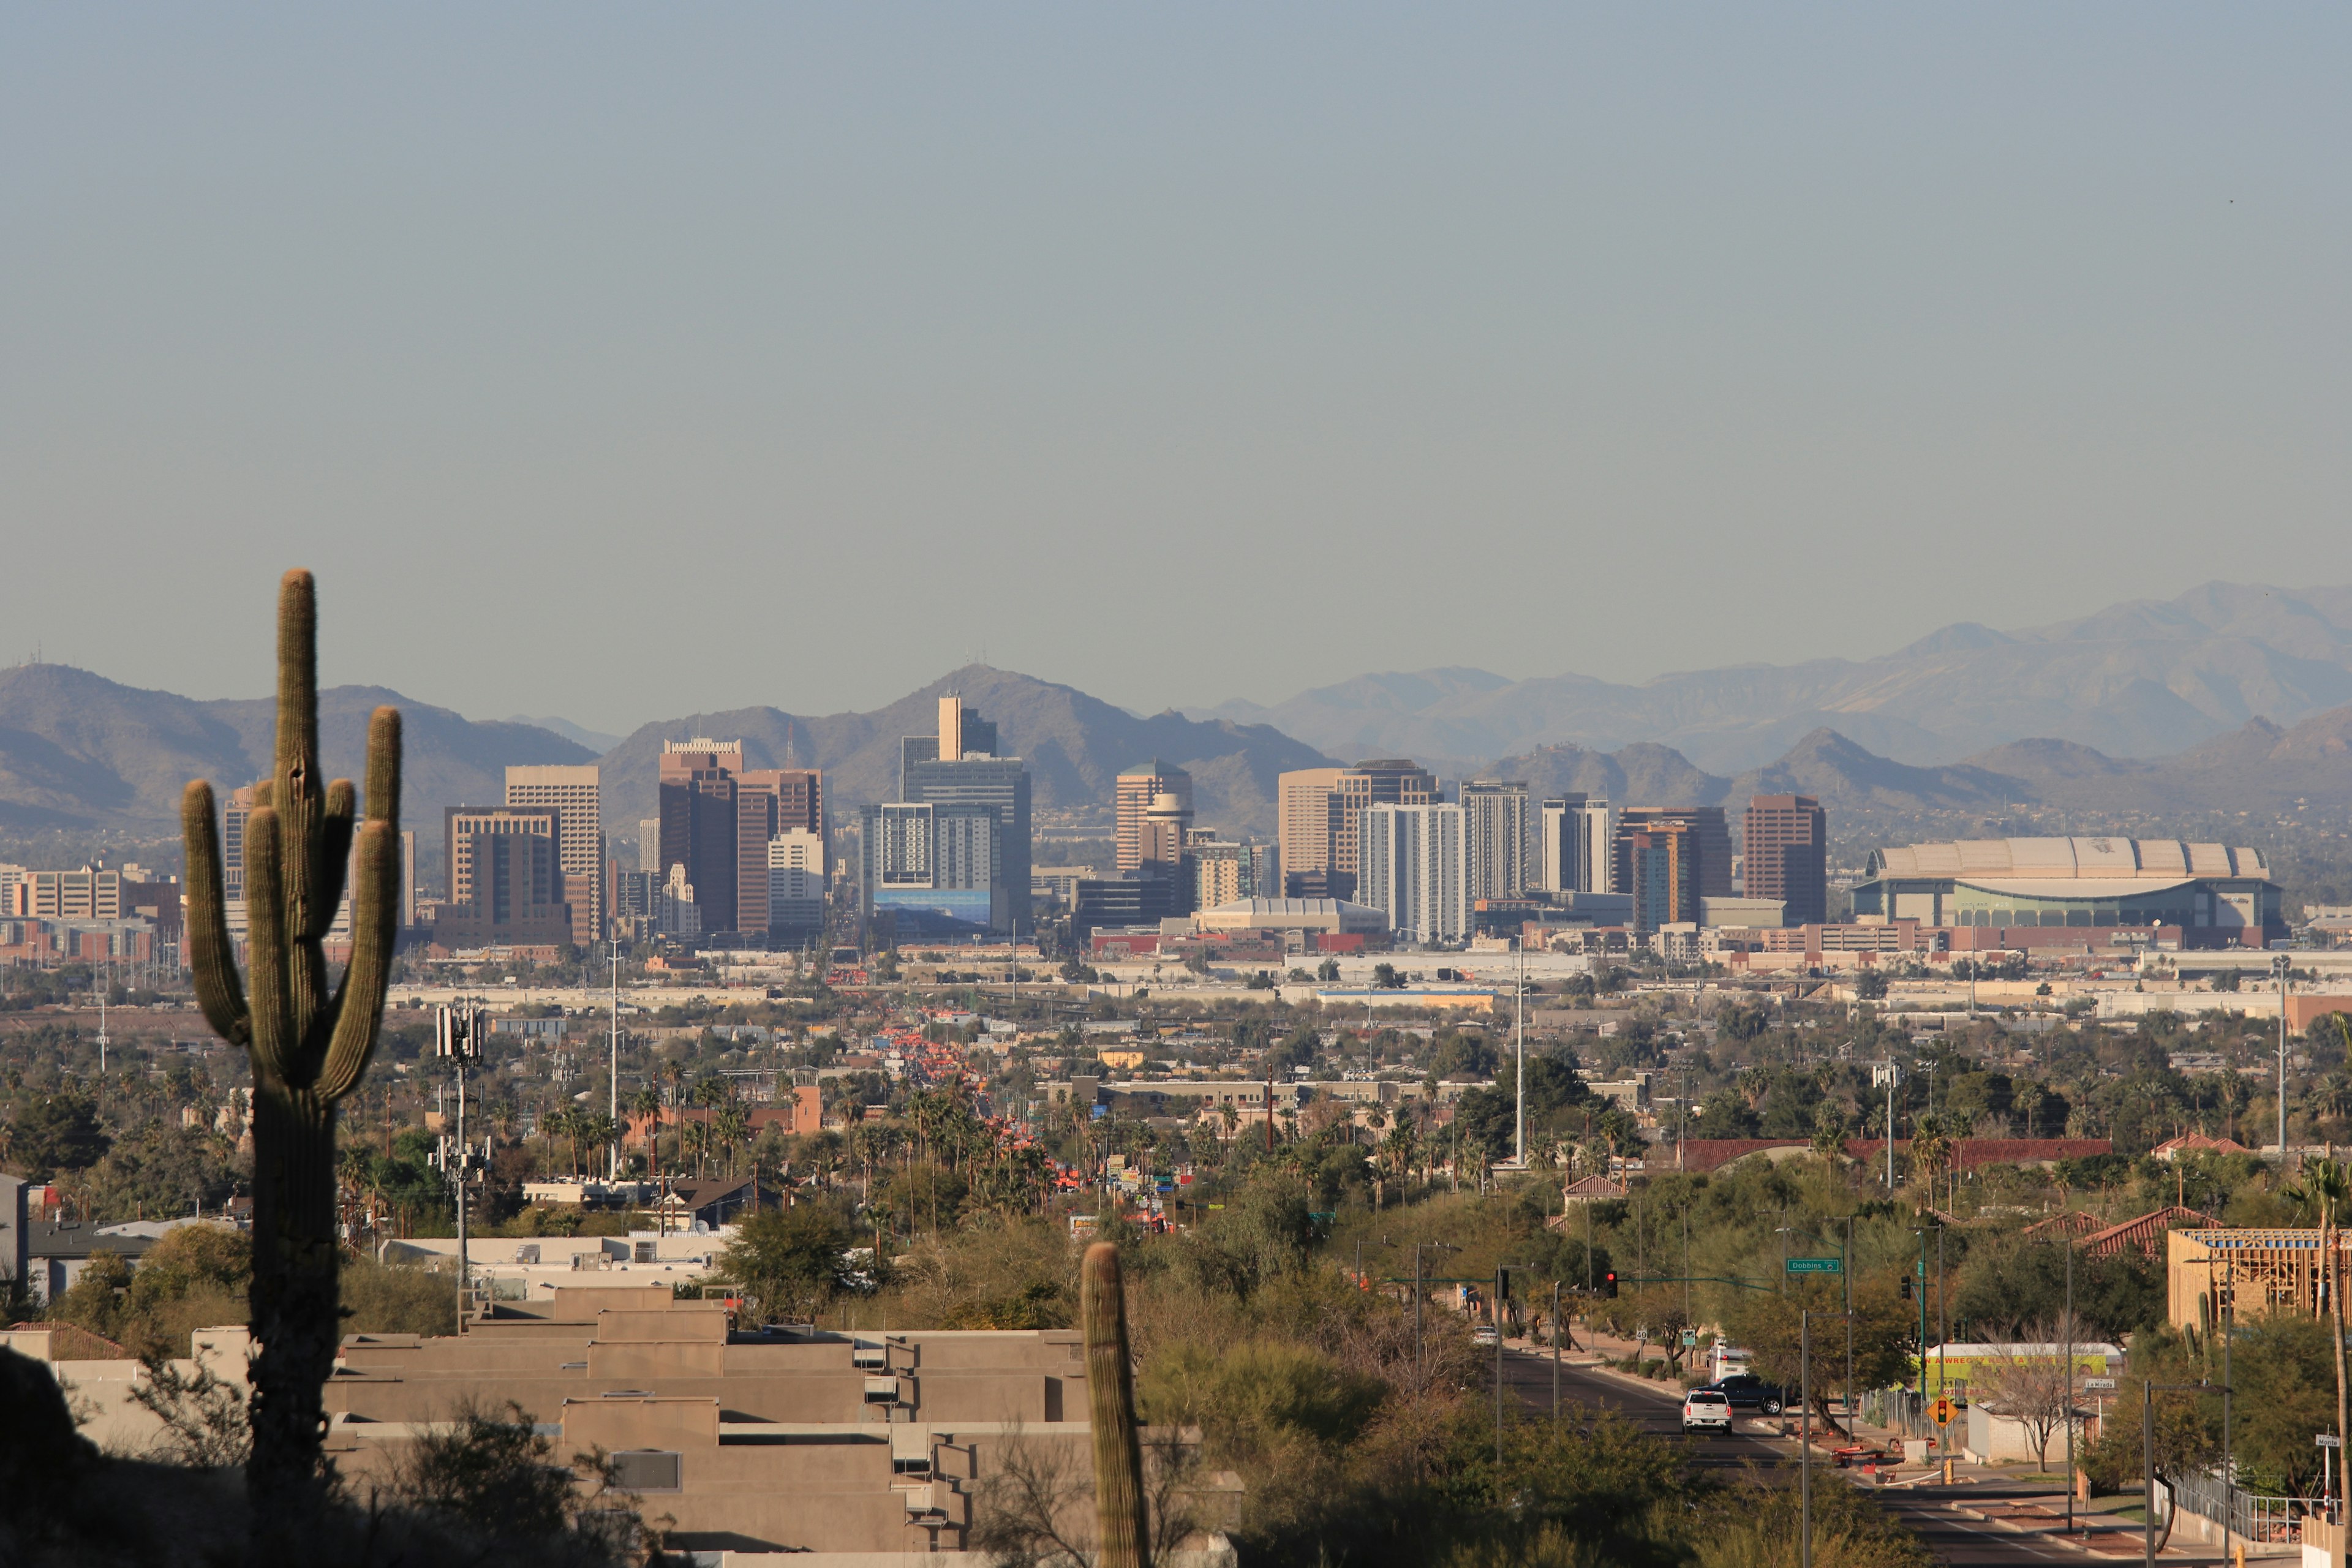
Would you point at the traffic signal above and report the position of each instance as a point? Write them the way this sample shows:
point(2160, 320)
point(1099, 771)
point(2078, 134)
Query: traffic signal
point(1609, 1284)
point(1906, 1287)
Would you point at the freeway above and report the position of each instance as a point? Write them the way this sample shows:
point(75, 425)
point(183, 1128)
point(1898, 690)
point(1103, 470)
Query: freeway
point(1954, 1538)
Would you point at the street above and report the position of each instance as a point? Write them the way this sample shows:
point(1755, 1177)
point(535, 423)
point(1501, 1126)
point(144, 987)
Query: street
point(1929, 1511)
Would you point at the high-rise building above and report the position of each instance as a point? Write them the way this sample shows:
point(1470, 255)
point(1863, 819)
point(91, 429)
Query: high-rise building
point(698, 781)
point(1308, 821)
point(1662, 863)
point(1412, 868)
point(1166, 828)
point(506, 883)
point(1499, 839)
point(717, 820)
point(1709, 849)
point(1785, 847)
point(577, 797)
point(1138, 787)
point(650, 845)
point(407, 877)
point(769, 802)
point(235, 810)
point(796, 877)
point(934, 866)
point(982, 780)
point(1225, 873)
point(1575, 854)
point(1319, 808)
point(961, 732)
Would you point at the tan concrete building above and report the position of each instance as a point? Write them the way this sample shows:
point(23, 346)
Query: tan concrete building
point(870, 1446)
point(1319, 810)
point(576, 797)
point(1138, 787)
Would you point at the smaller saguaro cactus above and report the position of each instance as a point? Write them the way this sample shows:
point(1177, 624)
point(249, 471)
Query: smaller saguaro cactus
point(309, 1043)
point(1123, 1525)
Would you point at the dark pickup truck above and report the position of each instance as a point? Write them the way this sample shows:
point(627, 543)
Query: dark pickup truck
point(1749, 1394)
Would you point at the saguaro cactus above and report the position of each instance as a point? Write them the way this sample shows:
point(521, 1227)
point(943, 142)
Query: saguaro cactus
point(308, 1044)
point(1124, 1527)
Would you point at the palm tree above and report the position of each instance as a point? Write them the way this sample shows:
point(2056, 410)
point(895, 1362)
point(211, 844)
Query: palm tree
point(646, 1106)
point(1229, 1114)
point(2325, 1191)
point(728, 1127)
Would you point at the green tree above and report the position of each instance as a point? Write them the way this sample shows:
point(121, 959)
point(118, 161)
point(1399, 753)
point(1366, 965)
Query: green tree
point(789, 1261)
point(56, 1132)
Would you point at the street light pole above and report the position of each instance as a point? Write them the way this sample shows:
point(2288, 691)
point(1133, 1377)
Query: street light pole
point(2279, 968)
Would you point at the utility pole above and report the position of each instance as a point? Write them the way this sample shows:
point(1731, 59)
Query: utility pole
point(613, 1167)
point(458, 1034)
point(1519, 1097)
point(2278, 967)
point(2070, 1385)
point(1555, 1344)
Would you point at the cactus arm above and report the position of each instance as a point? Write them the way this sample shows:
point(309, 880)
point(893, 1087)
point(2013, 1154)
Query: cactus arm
point(358, 1011)
point(383, 769)
point(299, 799)
point(335, 857)
point(211, 955)
point(1124, 1531)
point(272, 1043)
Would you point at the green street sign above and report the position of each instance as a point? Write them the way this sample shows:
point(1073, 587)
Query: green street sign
point(1816, 1266)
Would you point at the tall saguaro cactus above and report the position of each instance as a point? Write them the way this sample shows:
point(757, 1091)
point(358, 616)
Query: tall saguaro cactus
point(309, 1042)
point(1123, 1525)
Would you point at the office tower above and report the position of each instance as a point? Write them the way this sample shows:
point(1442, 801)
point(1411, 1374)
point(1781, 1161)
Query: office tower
point(961, 732)
point(234, 812)
point(934, 866)
point(1319, 808)
point(1709, 848)
point(1225, 873)
point(1138, 787)
point(1307, 826)
point(1576, 838)
point(796, 873)
point(578, 799)
point(407, 877)
point(1413, 870)
point(635, 900)
point(506, 883)
point(463, 825)
point(1786, 846)
point(1497, 838)
point(981, 780)
point(650, 845)
point(1662, 863)
point(769, 802)
point(676, 912)
point(1162, 835)
point(698, 781)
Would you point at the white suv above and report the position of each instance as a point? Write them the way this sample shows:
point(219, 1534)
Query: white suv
point(1704, 1408)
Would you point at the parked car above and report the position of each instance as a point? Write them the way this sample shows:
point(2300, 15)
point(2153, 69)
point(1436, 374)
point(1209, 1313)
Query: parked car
point(1706, 1410)
point(1748, 1393)
point(1483, 1336)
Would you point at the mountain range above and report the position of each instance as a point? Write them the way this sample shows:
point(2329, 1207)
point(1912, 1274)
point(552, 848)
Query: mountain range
point(2137, 679)
point(81, 754)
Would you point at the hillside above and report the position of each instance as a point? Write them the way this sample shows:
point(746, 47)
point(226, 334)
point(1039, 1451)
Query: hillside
point(79, 751)
point(2137, 679)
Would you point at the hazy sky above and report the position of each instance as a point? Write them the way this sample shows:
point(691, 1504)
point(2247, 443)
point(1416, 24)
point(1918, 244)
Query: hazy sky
point(615, 361)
